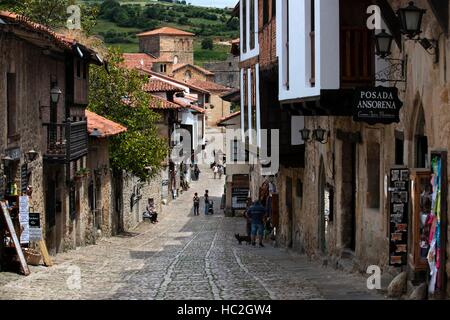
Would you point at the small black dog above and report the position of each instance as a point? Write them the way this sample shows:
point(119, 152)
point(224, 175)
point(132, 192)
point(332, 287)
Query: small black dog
point(241, 239)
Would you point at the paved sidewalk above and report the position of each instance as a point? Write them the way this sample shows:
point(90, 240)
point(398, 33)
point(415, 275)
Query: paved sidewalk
point(184, 257)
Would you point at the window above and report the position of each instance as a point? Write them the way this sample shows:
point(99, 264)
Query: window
point(246, 102)
point(175, 60)
point(252, 24)
point(163, 68)
point(265, 12)
point(285, 36)
point(253, 115)
point(373, 175)
point(312, 37)
point(244, 26)
point(187, 75)
point(11, 105)
point(299, 189)
point(274, 8)
point(399, 148)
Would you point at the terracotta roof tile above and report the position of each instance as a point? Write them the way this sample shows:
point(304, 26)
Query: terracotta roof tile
point(200, 69)
point(138, 60)
point(155, 85)
point(187, 103)
point(60, 40)
point(106, 127)
point(208, 85)
point(165, 31)
point(229, 117)
point(163, 104)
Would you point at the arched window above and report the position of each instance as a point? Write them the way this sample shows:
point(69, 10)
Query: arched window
point(175, 60)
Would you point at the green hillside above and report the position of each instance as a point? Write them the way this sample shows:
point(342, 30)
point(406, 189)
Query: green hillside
point(120, 21)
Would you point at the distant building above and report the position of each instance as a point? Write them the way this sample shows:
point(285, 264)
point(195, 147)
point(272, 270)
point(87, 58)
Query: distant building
point(168, 44)
point(226, 73)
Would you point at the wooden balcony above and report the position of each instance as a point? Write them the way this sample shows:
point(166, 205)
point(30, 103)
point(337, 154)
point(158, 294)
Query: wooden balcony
point(66, 142)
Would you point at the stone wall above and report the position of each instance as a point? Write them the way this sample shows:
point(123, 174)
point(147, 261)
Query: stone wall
point(221, 109)
point(226, 72)
point(133, 188)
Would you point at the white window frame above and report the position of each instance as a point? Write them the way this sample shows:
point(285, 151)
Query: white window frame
point(250, 53)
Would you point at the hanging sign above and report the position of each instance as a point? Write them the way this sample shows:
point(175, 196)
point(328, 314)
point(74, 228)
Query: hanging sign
point(399, 204)
point(377, 105)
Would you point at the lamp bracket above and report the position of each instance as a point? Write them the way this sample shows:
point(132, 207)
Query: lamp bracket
point(394, 73)
point(431, 46)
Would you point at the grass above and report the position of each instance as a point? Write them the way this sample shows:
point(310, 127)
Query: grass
point(201, 56)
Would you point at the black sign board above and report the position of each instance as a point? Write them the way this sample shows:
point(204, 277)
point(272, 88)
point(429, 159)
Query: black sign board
point(377, 105)
point(399, 206)
point(239, 196)
point(34, 220)
point(24, 178)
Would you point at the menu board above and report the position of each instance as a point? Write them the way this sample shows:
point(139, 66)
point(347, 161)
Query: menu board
point(24, 178)
point(239, 198)
point(399, 204)
point(24, 220)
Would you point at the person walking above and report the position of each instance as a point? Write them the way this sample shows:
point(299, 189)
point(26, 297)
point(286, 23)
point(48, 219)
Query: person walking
point(220, 171)
point(257, 213)
point(196, 172)
point(196, 205)
point(215, 170)
point(206, 197)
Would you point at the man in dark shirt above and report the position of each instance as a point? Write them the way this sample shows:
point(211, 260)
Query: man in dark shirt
point(257, 214)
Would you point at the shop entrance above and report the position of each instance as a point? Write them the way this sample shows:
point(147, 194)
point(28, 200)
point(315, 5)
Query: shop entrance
point(290, 212)
point(348, 200)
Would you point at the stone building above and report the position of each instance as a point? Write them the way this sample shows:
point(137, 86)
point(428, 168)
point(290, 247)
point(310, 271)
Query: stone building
point(226, 73)
point(169, 45)
point(103, 193)
point(336, 201)
point(44, 93)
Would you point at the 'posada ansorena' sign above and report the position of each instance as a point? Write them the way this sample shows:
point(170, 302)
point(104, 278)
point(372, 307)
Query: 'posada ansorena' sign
point(377, 105)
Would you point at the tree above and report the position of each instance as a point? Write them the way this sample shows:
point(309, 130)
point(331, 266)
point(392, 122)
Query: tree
point(207, 44)
point(118, 96)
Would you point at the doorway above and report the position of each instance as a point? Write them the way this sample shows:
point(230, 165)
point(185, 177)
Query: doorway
point(290, 212)
point(348, 200)
point(323, 214)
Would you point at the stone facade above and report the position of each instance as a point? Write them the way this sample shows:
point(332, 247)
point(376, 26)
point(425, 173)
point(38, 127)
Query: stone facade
point(218, 108)
point(226, 72)
point(135, 198)
point(169, 48)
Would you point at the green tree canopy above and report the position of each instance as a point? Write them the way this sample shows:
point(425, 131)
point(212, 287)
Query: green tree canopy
point(117, 95)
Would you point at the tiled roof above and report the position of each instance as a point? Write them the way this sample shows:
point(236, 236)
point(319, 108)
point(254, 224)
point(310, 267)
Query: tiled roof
point(208, 85)
point(200, 69)
point(106, 127)
point(155, 85)
point(186, 103)
point(165, 31)
point(59, 40)
point(138, 60)
point(229, 117)
point(172, 80)
point(160, 103)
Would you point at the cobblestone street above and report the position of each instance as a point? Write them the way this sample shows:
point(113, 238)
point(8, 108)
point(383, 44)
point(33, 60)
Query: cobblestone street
point(184, 257)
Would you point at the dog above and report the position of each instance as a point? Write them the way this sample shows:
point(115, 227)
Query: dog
point(241, 239)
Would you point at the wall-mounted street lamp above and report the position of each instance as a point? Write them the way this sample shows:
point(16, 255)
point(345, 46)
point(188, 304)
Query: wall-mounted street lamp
point(55, 93)
point(411, 19)
point(7, 161)
point(383, 44)
point(31, 155)
point(319, 135)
